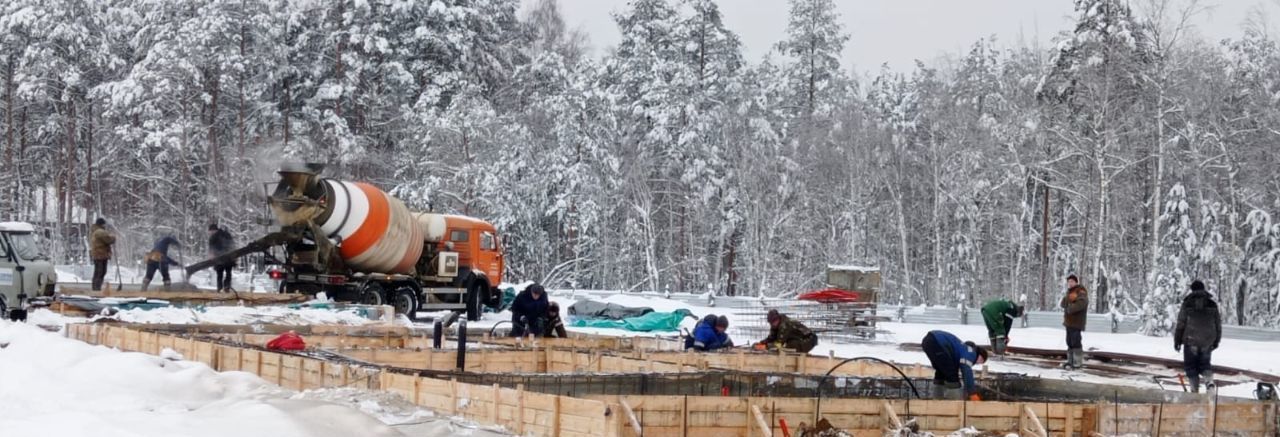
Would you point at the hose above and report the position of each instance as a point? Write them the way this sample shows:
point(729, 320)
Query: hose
point(817, 411)
point(495, 327)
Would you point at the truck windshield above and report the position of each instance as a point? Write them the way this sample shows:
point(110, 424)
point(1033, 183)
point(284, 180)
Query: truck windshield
point(25, 247)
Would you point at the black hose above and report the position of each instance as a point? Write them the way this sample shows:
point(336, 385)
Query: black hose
point(817, 411)
point(495, 327)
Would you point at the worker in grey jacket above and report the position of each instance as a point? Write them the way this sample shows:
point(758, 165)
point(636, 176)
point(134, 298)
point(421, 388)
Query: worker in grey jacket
point(1198, 333)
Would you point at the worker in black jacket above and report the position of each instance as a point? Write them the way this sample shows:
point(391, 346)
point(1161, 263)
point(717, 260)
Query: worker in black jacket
point(529, 310)
point(554, 325)
point(221, 243)
point(1198, 333)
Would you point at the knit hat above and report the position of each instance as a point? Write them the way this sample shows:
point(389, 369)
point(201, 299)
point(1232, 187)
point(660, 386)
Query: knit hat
point(213, 226)
point(536, 289)
point(722, 322)
point(1197, 286)
point(773, 316)
point(100, 221)
point(1073, 278)
point(977, 349)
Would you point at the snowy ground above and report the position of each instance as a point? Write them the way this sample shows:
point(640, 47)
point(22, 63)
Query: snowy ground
point(53, 386)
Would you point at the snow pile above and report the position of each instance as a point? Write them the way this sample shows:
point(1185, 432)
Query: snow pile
point(52, 386)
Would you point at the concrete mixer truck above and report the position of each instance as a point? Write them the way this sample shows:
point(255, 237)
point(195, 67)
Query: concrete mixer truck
point(356, 243)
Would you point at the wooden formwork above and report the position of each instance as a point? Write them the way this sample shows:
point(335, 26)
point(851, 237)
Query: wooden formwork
point(530, 413)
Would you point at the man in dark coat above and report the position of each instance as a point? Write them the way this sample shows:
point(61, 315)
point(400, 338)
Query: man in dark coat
point(998, 315)
point(528, 311)
point(100, 242)
point(158, 259)
point(221, 243)
point(1198, 333)
point(951, 359)
point(787, 333)
point(1075, 313)
point(554, 325)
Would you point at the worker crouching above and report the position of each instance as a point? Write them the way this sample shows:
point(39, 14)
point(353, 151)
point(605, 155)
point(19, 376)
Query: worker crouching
point(952, 359)
point(785, 333)
point(709, 334)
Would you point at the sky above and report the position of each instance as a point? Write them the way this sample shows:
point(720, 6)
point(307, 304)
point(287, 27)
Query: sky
point(898, 32)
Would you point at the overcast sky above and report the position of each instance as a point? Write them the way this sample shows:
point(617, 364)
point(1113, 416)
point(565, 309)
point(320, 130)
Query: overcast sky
point(899, 31)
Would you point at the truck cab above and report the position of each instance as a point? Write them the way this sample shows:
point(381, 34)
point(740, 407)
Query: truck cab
point(477, 245)
point(25, 271)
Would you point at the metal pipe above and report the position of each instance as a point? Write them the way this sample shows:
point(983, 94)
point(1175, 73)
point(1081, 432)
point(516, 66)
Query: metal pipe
point(437, 335)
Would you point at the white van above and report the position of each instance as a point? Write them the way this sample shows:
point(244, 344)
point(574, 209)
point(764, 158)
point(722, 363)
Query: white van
point(25, 271)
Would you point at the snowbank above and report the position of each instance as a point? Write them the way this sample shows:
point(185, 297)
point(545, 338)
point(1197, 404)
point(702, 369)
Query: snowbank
point(52, 386)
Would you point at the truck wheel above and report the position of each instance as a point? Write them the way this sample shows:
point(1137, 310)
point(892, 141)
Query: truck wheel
point(371, 294)
point(405, 301)
point(475, 298)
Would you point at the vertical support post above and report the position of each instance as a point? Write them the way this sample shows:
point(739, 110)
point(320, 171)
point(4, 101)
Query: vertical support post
point(497, 396)
point(417, 390)
point(437, 335)
point(462, 345)
point(453, 396)
point(684, 417)
point(1069, 425)
point(555, 416)
point(1159, 419)
point(519, 409)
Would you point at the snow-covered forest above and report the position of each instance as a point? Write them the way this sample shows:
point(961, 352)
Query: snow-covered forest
point(1132, 153)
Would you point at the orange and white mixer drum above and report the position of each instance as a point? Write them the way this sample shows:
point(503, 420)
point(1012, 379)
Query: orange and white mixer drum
point(375, 232)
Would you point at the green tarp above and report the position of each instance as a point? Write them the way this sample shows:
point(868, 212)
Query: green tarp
point(508, 296)
point(650, 322)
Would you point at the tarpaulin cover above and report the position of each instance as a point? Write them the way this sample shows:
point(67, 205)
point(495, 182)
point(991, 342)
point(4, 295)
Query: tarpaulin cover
point(508, 296)
point(590, 309)
point(650, 322)
point(831, 295)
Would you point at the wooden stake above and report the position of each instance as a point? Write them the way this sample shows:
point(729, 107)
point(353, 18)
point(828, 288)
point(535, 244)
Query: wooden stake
point(765, 429)
point(631, 416)
point(1031, 423)
point(889, 417)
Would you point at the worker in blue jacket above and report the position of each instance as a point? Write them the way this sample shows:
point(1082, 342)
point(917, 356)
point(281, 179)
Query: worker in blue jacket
point(709, 334)
point(952, 358)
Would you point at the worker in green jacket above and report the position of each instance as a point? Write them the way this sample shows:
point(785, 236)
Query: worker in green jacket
point(998, 315)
